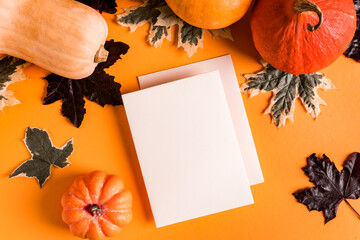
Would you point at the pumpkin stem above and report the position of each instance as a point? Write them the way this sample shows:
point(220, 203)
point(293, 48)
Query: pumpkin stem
point(301, 6)
point(101, 55)
point(93, 209)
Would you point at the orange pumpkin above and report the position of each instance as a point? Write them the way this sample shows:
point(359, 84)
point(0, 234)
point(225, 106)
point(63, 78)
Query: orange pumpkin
point(96, 206)
point(302, 36)
point(212, 14)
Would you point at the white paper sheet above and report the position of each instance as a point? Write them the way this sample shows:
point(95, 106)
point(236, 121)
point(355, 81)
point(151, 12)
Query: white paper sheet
point(187, 149)
point(225, 66)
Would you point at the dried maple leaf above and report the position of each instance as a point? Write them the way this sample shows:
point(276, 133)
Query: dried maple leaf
point(353, 50)
point(223, 32)
point(11, 71)
point(286, 89)
point(161, 19)
point(101, 5)
point(332, 187)
point(44, 155)
point(99, 87)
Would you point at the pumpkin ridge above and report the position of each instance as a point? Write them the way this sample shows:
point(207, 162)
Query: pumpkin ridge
point(100, 227)
point(116, 210)
point(123, 221)
point(88, 192)
point(86, 189)
point(113, 196)
point(95, 223)
point(109, 220)
point(105, 202)
point(75, 197)
point(89, 222)
point(102, 188)
point(76, 208)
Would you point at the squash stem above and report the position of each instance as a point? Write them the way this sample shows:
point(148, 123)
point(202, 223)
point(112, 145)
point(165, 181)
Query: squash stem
point(358, 215)
point(301, 6)
point(93, 209)
point(101, 55)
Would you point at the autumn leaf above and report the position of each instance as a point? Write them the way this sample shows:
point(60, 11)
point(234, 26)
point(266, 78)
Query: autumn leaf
point(108, 6)
point(353, 50)
point(99, 87)
point(43, 155)
point(11, 71)
point(222, 32)
point(286, 88)
point(162, 19)
point(331, 186)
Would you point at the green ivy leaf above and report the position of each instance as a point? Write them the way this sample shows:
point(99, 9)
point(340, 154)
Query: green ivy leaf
point(44, 155)
point(286, 88)
point(161, 19)
point(11, 71)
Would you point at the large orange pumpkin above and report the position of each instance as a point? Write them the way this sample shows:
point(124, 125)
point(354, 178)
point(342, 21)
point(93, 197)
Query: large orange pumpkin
point(299, 36)
point(213, 14)
point(96, 206)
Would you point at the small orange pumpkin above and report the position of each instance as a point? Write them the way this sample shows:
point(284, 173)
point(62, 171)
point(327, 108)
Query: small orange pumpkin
point(212, 14)
point(96, 206)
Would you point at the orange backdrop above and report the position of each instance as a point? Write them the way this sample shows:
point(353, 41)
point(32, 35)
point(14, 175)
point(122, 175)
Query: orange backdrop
point(104, 142)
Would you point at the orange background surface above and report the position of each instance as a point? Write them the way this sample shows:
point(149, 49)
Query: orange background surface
point(104, 142)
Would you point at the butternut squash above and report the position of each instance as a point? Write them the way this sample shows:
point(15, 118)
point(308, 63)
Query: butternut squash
point(63, 36)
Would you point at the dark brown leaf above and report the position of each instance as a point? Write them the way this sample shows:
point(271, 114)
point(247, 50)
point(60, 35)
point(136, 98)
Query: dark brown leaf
point(99, 87)
point(331, 186)
point(353, 50)
point(115, 49)
point(108, 6)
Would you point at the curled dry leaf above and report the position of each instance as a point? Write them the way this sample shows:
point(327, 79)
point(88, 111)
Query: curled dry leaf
point(161, 19)
point(286, 88)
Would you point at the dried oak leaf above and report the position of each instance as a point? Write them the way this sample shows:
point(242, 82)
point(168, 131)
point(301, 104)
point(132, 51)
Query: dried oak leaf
point(108, 6)
point(286, 89)
point(11, 71)
point(99, 87)
point(44, 155)
point(353, 50)
point(331, 186)
point(161, 19)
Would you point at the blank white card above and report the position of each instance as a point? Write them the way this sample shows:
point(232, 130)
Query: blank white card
point(187, 149)
point(230, 83)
